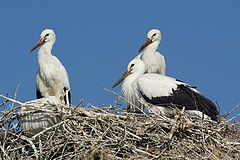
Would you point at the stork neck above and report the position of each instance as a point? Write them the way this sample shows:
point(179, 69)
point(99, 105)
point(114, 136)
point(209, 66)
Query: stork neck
point(45, 49)
point(152, 47)
point(134, 76)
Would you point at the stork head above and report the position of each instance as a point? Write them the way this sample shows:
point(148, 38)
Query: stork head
point(47, 37)
point(136, 66)
point(153, 35)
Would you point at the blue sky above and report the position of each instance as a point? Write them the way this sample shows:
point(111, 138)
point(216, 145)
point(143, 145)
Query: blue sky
point(97, 39)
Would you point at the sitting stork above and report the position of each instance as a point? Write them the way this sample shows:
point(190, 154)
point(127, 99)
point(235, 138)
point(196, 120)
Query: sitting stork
point(52, 78)
point(154, 61)
point(161, 92)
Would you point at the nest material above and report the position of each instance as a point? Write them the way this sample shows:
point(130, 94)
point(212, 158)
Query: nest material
point(100, 134)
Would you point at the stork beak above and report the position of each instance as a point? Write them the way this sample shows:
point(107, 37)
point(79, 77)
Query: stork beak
point(145, 44)
point(125, 74)
point(39, 43)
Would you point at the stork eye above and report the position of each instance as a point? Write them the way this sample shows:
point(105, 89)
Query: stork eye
point(131, 65)
point(154, 34)
point(47, 35)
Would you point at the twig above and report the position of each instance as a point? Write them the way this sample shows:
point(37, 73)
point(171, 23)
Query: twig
point(233, 117)
point(4, 152)
point(124, 100)
point(176, 124)
point(144, 152)
point(224, 116)
point(130, 133)
point(4, 103)
point(15, 95)
point(12, 100)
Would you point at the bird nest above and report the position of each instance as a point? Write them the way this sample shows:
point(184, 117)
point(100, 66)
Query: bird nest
point(111, 133)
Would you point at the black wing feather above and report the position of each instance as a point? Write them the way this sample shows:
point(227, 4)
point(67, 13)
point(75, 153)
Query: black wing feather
point(184, 96)
point(38, 93)
point(65, 97)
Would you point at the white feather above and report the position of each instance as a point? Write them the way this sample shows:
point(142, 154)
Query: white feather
point(51, 77)
point(37, 115)
point(156, 85)
point(154, 61)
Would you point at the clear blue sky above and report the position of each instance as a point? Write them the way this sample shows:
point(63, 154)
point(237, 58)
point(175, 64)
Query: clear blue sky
point(97, 39)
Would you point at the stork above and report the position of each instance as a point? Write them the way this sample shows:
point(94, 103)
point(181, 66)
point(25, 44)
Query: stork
point(52, 78)
point(154, 61)
point(161, 92)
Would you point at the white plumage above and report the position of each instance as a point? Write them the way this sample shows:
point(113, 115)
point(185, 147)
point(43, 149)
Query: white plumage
point(154, 61)
point(160, 92)
point(39, 114)
point(52, 78)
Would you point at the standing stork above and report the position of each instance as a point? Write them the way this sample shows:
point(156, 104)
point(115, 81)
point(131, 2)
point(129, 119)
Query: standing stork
point(52, 78)
point(161, 92)
point(154, 61)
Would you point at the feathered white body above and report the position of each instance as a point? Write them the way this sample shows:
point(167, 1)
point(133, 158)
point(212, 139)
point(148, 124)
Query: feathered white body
point(52, 78)
point(150, 84)
point(39, 114)
point(154, 61)
point(137, 87)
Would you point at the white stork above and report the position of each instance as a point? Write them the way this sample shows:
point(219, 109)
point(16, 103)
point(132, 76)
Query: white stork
point(161, 92)
point(52, 78)
point(154, 61)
